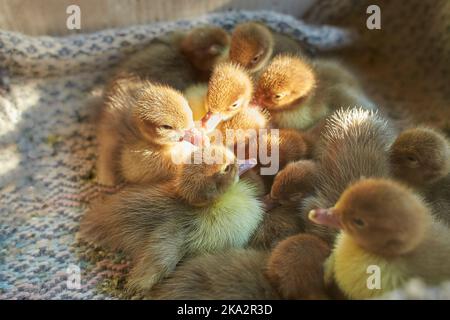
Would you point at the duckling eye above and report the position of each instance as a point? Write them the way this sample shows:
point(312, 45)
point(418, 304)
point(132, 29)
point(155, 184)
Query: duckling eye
point(358, 222)
point(411, 159)
point(227, 169)
point(256, 58)
point(166, 127)
point(214, 49)
point(235, 105)
point(278, 96)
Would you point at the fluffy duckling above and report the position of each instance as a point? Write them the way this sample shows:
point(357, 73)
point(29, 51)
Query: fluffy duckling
point(278, 223)
point(229, 93)
point(291, 145)
point(295, 267)
point(295, 182)
point(207, 208)
point(253, 45)
point(205, 47)
point(420, 156)
point(354, 144)
point(251, 274)
point(140, 126)
point(298, 93)
point(282, 219)
point(384, 225)
point(177, 59)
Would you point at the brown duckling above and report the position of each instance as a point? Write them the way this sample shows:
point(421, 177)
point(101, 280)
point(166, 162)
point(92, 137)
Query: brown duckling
point(354, 144)
point(253, 45)
point(291, 145)
point(177, 59)
point(251, 274)
point(420, 156)
point(295, 182)
point(207, 208)
point(385, 227)
point(282, 218)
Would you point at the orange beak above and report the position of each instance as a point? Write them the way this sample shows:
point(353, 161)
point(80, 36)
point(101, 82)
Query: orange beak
point(211, 120)
point(326, 217)
point(195, 137)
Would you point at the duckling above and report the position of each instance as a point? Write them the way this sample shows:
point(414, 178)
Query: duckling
point(354, 144)
point(205, 47)
point(250, 274)
point(298, 93)
point(295, 267)
point(295, 182)
point(291, 145)
point(196, 97)
point(227, 275)
point(229, 93)
point(282, 219)
point(253, 45)
point(278, 223)
point(386, 226)
point(205, 209)
point(420, 156)
point(177, 59)
point(140, 126)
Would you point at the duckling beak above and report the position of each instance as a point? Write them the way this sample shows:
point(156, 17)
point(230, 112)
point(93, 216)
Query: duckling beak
point(211, 120)
point(196, 137)
point(326, 217)
point(245, 165)
point(269, 202)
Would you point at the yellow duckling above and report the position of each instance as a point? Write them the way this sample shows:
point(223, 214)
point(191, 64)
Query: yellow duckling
point(207, 208)
point(388, 237)
point(225, 104)
point(196, 97)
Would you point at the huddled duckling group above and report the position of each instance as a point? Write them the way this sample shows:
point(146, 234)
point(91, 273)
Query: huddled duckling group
point(350, 192)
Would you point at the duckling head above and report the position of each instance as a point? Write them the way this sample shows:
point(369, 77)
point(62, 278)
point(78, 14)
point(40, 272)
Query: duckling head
point(420, 156)
point(295, 267)
point(213, 169)
point(286, 80)
point(229, 91)
point(251, 45)
point(206, 46)
point(381, 216)
point(162, 115)
point(293, 183)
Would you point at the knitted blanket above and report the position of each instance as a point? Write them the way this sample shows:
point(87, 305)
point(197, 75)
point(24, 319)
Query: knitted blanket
point(48, 151)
